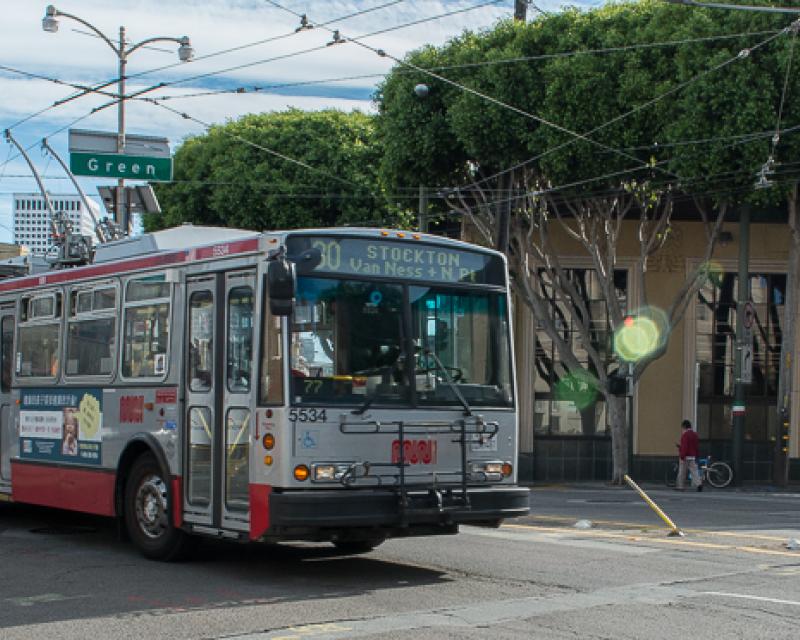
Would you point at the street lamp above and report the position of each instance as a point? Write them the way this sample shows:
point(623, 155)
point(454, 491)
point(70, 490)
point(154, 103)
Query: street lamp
point(185, 54)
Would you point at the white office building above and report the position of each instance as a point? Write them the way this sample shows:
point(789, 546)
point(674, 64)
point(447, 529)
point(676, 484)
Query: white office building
point(32, 220)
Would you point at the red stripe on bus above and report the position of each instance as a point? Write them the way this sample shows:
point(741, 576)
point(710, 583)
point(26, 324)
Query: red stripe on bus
point(177, 501)
point(85, 490)
point(259, 510)
point(118, 267)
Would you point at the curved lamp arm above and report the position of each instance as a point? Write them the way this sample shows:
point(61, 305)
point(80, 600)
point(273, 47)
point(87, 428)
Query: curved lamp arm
point(52, 12)
point(133, 48)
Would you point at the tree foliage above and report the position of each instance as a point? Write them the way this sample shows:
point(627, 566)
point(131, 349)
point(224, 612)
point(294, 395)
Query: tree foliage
point(714, 89)
point(227, 178)
point(691, 119)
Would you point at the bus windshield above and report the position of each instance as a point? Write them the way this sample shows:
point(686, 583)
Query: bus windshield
point(355, 339)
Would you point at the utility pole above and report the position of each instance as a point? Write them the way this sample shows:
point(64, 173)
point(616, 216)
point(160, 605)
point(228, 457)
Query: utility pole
point(422, 215)
point(520, 10)
point(504, 205)
point(122, 50)
point(742, 345)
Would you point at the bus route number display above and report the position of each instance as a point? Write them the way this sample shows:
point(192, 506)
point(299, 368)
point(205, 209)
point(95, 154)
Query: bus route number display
point(387, 259)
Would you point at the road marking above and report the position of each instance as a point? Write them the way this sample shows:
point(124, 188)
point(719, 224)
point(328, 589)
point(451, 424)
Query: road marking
point(655, 527)
point(559, 538)
point(487, 613)
point(670, 541)
point(744, 596)
point(42, 598)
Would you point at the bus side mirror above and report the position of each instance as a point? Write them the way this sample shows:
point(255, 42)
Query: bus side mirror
point(281, 286)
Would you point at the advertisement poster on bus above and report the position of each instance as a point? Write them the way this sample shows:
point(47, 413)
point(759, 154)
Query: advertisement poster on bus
point(61, 426)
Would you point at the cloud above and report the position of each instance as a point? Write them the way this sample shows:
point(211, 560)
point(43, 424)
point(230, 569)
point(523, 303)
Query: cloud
point(76, 55)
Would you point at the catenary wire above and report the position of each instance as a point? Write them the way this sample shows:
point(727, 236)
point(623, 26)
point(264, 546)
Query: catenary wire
point(668, 92)
point(82, 90)
point(468, 65)
point(483, 96)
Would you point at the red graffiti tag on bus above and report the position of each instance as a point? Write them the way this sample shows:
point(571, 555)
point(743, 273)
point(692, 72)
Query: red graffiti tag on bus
point(415, 451)
point(131, 409)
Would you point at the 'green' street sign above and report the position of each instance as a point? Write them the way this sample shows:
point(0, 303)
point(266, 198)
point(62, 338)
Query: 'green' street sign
point(110, 165)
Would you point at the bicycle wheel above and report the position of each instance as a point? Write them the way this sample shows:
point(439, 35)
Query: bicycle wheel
point(671, 475)
point(719, 474)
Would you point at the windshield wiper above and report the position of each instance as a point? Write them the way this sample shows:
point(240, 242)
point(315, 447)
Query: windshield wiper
point(374, 395)
point(449, 381)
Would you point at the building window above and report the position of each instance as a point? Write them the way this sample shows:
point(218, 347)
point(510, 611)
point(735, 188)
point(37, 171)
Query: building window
point(564, 404)
point(715, 348)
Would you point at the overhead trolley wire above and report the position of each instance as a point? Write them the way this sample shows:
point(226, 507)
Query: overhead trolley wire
point(739, 56)
point(236, 48)
point(260, 147)
point(483, 96)
point(468, 65)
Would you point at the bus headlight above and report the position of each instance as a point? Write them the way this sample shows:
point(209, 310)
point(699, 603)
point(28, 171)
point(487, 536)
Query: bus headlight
point(490, 470)
point(329, 471)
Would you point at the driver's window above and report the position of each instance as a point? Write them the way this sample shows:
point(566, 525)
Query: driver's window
point(347, 340)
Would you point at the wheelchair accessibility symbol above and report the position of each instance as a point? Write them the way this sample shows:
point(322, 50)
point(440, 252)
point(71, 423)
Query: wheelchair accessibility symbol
point(308, 439)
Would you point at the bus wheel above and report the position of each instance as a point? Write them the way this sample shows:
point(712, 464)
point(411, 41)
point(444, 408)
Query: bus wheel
point(354, 547)
point(148, 517)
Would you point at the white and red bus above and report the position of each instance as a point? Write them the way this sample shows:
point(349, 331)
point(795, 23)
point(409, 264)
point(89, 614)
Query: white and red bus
point(344, 385)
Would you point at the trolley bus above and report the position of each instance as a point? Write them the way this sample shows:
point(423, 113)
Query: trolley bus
point(345, 385)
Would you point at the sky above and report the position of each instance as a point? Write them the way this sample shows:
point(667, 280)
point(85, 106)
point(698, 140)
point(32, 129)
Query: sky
point(75, 55)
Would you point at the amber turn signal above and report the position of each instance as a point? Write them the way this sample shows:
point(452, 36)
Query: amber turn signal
point(268, 441)
point(507, 470)
point(301, 472)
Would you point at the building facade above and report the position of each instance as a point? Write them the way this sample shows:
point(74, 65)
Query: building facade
point(564, 436)
point(32, 219)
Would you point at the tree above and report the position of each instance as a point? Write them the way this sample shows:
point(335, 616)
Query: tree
point(662, 125)
point(228, 177)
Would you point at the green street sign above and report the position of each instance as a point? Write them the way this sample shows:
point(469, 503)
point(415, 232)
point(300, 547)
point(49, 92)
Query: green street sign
point(112, 165)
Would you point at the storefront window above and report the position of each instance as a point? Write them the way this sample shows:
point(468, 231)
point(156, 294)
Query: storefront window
point(566, 404)
point(715, 349)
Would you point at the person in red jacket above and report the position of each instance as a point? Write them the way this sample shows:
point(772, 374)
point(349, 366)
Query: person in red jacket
point(688, 452)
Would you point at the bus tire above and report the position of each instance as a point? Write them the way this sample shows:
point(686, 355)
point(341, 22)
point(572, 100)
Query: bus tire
point(355, 547)
point(148, 515)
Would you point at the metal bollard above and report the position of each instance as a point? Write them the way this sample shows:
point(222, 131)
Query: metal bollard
point(674, 530)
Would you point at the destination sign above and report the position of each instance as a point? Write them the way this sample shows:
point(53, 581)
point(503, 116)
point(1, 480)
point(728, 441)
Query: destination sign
point(390, 259)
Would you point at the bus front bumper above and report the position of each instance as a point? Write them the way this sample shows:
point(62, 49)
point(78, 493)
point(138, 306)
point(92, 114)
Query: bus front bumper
point(346, 508)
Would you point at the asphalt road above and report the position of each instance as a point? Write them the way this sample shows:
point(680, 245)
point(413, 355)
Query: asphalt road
point(731, 576)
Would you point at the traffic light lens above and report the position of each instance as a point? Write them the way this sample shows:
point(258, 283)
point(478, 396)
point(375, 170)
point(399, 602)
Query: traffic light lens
point(641, 335)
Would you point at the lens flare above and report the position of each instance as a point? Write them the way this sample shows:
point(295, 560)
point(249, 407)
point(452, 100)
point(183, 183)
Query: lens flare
point(714, 272)
point(577, 387)
point(641, 334)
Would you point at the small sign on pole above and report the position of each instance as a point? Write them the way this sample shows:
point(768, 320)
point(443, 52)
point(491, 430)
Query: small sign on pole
point(747, 364)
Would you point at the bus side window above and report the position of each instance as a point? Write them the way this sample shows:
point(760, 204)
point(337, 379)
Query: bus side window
point(146, 328)
point(91, 332)
point(38, 345)
point(270, 388)
point(7, 360)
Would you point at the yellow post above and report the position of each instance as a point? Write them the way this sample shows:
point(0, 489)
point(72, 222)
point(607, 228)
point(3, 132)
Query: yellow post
point(674, 530)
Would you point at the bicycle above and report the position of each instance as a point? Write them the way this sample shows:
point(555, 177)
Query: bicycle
point(718, 474)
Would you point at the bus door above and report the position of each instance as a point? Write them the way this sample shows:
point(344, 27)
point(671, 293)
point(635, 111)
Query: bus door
point(7, 434)
point(219, 383)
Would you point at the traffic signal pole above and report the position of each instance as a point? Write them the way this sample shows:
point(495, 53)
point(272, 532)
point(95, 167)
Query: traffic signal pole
point(742, 297)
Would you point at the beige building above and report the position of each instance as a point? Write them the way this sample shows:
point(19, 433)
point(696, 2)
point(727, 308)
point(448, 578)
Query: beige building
point(562, 440)
point(8, 250)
